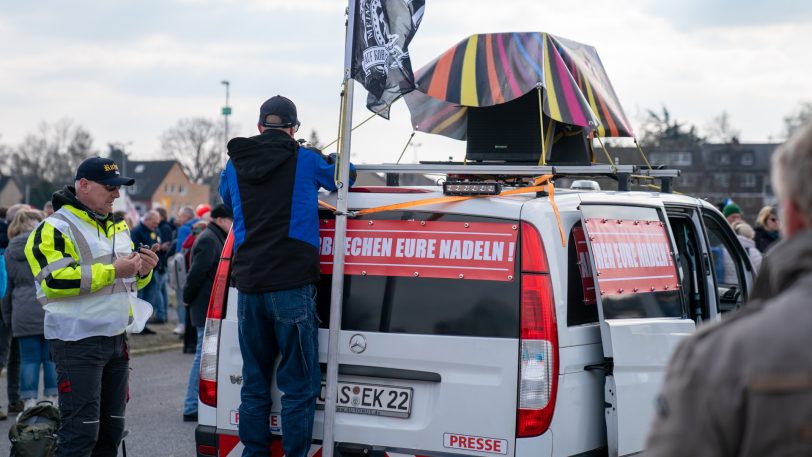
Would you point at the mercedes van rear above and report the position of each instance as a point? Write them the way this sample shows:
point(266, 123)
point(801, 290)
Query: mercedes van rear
point(471, 328)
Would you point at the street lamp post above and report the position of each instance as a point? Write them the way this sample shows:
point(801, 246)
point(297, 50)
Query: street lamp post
point(226, 112)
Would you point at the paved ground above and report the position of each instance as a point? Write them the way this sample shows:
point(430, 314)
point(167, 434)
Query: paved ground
point(159, 377)
point(162, 340)
point(154, 415)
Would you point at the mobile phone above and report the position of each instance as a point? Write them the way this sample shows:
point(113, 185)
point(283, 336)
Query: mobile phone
point(144, 246)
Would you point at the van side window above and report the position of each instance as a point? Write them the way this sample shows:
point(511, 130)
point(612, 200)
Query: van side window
point(581, 304)
point(725, 263)
point(636, 274)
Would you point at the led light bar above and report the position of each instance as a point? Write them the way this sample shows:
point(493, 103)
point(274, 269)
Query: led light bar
point(468, 188)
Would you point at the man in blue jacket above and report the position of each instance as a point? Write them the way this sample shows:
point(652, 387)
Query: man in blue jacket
point(146, 233)
point(271, 184)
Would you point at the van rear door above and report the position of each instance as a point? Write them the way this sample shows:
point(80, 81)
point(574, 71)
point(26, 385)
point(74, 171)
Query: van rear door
point(429, 341)
point(641, 310)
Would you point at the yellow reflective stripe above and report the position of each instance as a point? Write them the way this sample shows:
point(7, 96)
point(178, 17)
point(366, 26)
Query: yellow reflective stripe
point(63, 281)
point(86, 279)
point(53, 266)
point(85, 254)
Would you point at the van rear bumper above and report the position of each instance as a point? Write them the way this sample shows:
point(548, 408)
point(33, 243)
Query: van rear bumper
point(206, 441)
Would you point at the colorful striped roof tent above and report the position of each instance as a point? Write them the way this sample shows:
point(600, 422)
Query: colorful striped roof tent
point(493, 68)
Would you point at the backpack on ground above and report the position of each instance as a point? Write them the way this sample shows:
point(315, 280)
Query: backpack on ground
point(34, 433)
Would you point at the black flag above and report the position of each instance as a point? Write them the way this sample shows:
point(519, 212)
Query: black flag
point(380, 59)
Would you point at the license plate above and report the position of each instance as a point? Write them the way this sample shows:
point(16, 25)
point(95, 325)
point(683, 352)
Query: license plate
point(371, 399)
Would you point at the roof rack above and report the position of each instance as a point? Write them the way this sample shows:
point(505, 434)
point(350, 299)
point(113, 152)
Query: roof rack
point(622, 173)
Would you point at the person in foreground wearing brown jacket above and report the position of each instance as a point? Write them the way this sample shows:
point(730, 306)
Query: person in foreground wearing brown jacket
point(743, 387)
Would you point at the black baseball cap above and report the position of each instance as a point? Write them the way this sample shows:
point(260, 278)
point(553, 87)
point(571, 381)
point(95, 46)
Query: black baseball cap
point(102, 171)
point(279, 106)
point(221, 210)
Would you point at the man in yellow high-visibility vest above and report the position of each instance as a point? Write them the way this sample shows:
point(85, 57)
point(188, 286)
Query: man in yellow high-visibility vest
point(87, 276)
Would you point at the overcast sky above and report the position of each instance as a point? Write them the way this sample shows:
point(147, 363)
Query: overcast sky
point(128, 70)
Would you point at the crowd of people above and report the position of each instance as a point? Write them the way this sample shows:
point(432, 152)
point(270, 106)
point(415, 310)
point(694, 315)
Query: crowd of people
point(756, 242)
point(80, 276)
point(75, 275)
point(24, 351)
point(23, 348)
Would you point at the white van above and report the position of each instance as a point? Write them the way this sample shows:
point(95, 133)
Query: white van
point(536, 348)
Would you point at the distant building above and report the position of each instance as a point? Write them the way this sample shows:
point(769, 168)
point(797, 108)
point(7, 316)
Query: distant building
point(10, 192)
point(163, 183)
point(713, 172)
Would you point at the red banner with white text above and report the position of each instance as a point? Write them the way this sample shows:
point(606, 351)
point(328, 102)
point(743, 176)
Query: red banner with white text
point(631, 256)
point(425, 249)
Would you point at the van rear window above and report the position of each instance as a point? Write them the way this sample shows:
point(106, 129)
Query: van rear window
point(427, 305)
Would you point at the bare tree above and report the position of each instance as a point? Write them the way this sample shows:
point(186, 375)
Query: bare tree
point(662, 129)
point(719, 130)
point(798, 118)
point(5, 158)
point(197, 144)
point(314, 140)
point(47, 159)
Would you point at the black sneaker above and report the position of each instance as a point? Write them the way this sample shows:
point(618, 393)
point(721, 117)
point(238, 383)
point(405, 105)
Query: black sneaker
point(16, 407)
point(147, 331)
point(190, 417)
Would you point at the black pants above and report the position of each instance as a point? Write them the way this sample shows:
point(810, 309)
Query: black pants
point(92, 377)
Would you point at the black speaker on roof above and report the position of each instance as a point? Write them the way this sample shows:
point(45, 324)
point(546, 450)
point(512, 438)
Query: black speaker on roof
point(511, 133)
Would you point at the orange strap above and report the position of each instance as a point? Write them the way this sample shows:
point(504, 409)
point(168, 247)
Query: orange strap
point(327, 206)
point(542, 183)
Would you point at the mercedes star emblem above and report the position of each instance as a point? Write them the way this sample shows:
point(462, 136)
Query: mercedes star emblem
point(358, 343)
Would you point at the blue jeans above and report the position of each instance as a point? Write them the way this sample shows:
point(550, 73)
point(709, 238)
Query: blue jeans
point(160, 280)
point(151, 293)
point(33, 353)
point(190, 404)
point(181, 307)
point(279, 323)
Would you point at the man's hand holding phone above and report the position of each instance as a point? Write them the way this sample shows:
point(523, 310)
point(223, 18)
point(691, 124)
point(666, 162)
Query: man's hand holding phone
point(148, 258)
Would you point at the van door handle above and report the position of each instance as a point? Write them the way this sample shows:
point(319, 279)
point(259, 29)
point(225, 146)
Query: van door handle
point(607, 366)
point(706, 261)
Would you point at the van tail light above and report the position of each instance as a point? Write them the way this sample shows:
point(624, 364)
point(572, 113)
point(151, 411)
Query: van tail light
point(534, 258)
point(538, 371)
point(211, 336)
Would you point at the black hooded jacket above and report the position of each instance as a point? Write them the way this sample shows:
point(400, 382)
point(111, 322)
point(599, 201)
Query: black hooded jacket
point(271, 184)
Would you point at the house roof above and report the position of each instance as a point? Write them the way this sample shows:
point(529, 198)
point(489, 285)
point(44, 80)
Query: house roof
point(148, 176)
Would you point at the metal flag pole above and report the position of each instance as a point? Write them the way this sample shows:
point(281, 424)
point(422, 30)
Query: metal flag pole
point(336, 298)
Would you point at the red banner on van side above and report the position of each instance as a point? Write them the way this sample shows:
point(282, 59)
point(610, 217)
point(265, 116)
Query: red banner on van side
point(425, 249)
point(631, 256)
